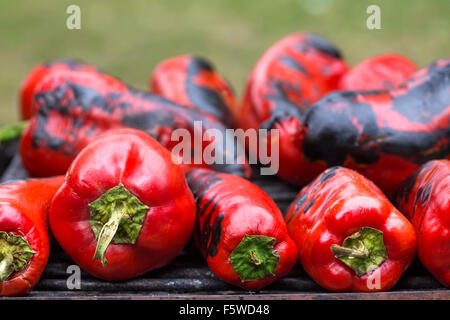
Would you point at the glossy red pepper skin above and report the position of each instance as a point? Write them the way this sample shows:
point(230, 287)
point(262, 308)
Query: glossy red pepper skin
point(379, 72)
point(132, 158)
point(424, 198)
point(74, 107)
point(383, 134)
point(194, 82)
point(23, 212)
point(38, 73)
point(229, 208)
point(292, 74)
point(334, 206)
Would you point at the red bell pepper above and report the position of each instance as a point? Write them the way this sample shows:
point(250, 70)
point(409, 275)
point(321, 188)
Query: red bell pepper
point(74, 107)
point(349, 236)
point(424, 198)
point(193, 82)
point(240, 231)
point(38, 73)
point(291, 75)
point(24, 241)
point(380, 72)
point(125, 207)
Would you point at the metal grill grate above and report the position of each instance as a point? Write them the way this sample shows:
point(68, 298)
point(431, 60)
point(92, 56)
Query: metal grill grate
point(188, 277)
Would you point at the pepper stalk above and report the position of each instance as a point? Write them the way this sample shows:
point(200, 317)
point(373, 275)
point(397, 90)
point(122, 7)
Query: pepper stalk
point(12, 132)
point(363, 251)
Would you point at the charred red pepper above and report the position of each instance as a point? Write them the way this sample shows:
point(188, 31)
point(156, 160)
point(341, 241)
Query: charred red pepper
point(24, 241)
point(240, 230)
point(380, 72)
point(291, 75)
point(38, 73)
point(73, 107)
point(424, 198)
point(384, 134)
point(124, 208)
point(193, 82)
point(349, 236)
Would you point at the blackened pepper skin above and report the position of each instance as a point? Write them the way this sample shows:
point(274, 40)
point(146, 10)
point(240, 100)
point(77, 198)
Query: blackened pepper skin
point(194, 82)
point(384, 134)
point(240, 230)
point(292, 74)
point(41, 71)
point(424, 197)
point(74, 107)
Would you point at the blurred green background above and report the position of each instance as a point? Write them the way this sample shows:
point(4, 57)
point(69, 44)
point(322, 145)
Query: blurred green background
point(128, 38)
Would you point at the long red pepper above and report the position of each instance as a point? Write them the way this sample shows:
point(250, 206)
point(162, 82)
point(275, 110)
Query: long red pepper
point(73, 107)
point(240, 230)
point(384, 134)
point(424, 198)
point(291, 75)
point(24, 241)
point(194, 82)
point(40, 72)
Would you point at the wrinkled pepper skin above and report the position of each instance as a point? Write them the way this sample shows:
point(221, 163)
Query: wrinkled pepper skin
point(424, 198)
point(383, 134)
point(23, 213)
point(38, 73)
point(379, 72)
point(194, 82)
point(74, 107)
point(230, 211)
point(154, 194)
point(291, 75)
point(335, 206)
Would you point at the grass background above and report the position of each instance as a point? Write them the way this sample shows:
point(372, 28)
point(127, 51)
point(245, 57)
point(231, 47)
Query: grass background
point(128, 38)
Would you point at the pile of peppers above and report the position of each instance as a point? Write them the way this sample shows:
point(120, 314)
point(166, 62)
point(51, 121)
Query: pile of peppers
point(368, 147)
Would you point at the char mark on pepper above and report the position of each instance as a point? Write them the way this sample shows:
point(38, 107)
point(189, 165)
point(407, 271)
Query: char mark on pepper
point(204, 98)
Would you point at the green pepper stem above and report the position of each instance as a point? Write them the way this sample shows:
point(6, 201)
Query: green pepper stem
point(363, 251)
point(339, 250)
point(115, 217)
point(107, 234)
point(12, 132)
point(6, 266)
point(254, 258)
point(15, 253)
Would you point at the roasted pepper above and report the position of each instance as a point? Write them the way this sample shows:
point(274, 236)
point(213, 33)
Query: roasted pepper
point(379, 72)
point(240, 231)
point(424, 198)
point(193, 82)
point(348, 235)
point(291, 75)
point(24, 241)
point(124, 208)
point(73, 107)
point(384, 134)
point(38, 73)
